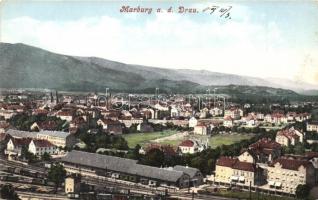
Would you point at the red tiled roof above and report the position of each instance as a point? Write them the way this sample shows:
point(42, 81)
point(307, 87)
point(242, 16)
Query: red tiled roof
point(244, 166)
point(226, 161)
point(48, 125)
point(289, 133)
point(14, 107)
point(236, 164)
point(265, 143)
point(291, 164)
point(40, 112)
point(64, 113)
point(187, 143)
point(42, 143)
point(21, 141)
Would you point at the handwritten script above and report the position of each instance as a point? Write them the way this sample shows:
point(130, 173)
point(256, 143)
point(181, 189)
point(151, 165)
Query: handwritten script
point(221, 11)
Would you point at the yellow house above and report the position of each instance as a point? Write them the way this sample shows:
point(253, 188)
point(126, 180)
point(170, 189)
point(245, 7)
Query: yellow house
point(233, 171)
point(289, 137)
point(286, 174)
point(72, 184)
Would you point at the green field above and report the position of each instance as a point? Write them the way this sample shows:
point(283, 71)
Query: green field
point(144, 138)
point(214, 141)
point(218, 140)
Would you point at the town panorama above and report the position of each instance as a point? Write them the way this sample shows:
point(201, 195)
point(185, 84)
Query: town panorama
point(158, 100)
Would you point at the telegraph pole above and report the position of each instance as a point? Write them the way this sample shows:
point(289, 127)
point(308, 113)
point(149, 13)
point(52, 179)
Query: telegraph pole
point(250, 190)
point(157, 94)
point(129, 101)
point(107, 89)
point(214, 96)
point(208, 92)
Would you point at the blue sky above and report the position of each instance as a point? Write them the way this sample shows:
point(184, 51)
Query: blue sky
point(267, 39)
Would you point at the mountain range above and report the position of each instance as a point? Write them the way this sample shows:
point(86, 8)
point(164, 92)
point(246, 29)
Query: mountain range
point(24, 66)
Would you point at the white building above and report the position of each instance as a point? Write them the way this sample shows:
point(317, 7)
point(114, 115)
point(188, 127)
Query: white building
point(216, 111)
point(193, 122)
point(174, 112)
point(312, 126)
point(39, 147)
point(228, 122)
point(191, 146)
point(200, 130)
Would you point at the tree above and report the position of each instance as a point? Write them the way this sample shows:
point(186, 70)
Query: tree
point(288, 149)
point(27, 155)
point(299, 149)
point(136, 151)
point(314, 147)
point(57, 175)
point(46, 157)
point(154, 157)
point(302, 191)
point(7, 192)
point(120, 143)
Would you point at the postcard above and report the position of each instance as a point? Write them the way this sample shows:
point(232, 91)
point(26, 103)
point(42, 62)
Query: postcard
point(179, 99)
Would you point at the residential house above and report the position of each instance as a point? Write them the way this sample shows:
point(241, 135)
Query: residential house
point(130, 121)
point(110, 126)
point(265, 150)
point(58, 138)
point(201, 130)
point(65, 115)
point(302, 117)
point(190, 147)
point(234, 113)
point(228, 121)
point(312, 126)
point(15, 146)
point(193, 122)
point(39, 147)
point(161, 107)
point(148, 113)
point(279, 118)
point(49, 125)
point(250, 120)
point(174, 112)
point(232, 171)
point(113, 115)
point(203, 113)
point(247, 156)
point(289, 136)
point(285, 174)
point(216, 111)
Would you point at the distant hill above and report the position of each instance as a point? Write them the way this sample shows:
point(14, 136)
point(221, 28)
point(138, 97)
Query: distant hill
point(24, 66)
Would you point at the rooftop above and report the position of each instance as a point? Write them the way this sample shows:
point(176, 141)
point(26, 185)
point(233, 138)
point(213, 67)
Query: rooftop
point(120, 165)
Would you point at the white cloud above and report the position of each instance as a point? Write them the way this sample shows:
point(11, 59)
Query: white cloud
point(168, 40)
